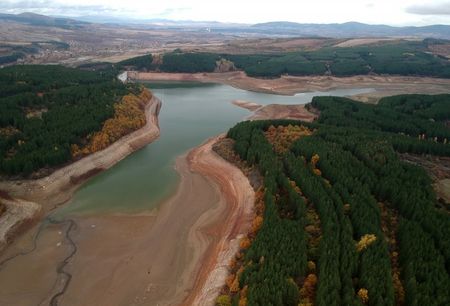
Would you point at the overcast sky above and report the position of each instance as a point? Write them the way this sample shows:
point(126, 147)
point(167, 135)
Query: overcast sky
point(393, 12)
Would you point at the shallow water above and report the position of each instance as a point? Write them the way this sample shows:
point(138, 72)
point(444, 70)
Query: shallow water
point(191, 112)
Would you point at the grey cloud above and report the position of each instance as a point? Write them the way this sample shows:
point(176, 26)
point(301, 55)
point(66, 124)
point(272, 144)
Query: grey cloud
point(50, 7)
point(173, 10)
point(168, 12)
point(430, 9)
point(9, 5)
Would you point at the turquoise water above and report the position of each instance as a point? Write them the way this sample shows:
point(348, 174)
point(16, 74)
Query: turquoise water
point(191, 113)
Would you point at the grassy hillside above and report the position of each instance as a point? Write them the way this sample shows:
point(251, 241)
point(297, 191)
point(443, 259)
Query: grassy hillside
point(46, 110)
point(341, 220)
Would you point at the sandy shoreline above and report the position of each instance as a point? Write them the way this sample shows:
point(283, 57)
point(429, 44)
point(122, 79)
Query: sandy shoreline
point(290, 85)
point(177, 256)
point(170, 250)
point(234, 224)
point(46, 193)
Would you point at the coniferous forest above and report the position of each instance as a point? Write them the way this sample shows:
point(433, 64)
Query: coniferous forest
point(46, 110)
point(341, 219)
point(398, 58)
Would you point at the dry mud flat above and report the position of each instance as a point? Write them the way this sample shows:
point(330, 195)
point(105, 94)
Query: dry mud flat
point(17, 213)
point(276, 111)
point(290, 85)
point(176, 255)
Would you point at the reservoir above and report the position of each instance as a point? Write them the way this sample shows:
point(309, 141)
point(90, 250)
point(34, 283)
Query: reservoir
point(191, 113)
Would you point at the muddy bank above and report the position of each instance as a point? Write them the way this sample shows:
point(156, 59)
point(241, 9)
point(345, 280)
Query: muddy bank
point(14, 219)
point(251, 106)
point(176, 255)
point(42, 195)
point(28, 269)
point(277, 111)
point(193, 236)
point(231, 226)
point(145, 259)
point(290, 85)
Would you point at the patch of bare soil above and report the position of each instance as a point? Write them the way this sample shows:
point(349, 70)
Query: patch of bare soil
point(438, 168)
point(251, 106)
point(278, 111)
point(363, 41)
point(441, 49)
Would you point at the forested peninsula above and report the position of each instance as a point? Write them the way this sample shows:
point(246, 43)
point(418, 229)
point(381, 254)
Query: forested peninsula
point(53, 115)
point(342, 218)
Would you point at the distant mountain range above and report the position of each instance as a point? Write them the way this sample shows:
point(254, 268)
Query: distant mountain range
point(42, 20)
point(159, 22)
point(350, 29)
point(334, 30)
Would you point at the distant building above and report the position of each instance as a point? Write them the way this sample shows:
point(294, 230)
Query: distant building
point(123, 77)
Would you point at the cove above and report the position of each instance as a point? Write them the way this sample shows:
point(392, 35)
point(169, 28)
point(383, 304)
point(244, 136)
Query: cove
point(191, 113)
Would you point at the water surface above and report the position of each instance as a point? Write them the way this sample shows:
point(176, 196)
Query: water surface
point(191, 113)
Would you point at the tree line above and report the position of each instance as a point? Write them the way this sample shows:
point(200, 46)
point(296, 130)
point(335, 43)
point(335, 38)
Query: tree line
point(346, 170)
point(393, 58)
point(46, 109)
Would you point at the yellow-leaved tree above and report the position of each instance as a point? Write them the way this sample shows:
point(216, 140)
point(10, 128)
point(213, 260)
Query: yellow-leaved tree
point(365, 242)
point(129, 115)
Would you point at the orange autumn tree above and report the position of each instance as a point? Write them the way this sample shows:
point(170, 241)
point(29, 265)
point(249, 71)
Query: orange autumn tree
point(233, 281)
point(282, 137)
point(308, 291)
point(129, 115)
point(363, 294)
point(314, 160)
point(256, 224)
point(243, 296)
point(244, 243)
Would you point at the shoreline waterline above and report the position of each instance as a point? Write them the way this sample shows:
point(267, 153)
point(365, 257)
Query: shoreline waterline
point(127, 218)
